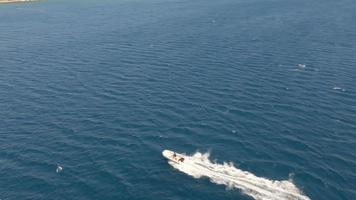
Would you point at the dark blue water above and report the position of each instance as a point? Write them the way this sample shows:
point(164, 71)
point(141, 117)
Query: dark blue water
point(102, 87)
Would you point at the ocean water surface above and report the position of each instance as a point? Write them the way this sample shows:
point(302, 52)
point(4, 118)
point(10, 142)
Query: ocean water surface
point(91, 93)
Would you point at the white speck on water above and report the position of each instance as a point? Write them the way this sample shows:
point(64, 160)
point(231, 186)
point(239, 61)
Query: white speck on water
point(301, 65)
point(339, 88)
point(59, 169)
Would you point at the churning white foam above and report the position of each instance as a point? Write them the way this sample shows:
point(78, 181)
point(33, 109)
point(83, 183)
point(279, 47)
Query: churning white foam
point(199, 165)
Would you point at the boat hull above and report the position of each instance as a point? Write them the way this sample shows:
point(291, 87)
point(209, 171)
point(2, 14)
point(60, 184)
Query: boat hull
point(173, 156)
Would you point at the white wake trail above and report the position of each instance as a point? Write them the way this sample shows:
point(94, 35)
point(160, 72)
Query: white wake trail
point(199, 165)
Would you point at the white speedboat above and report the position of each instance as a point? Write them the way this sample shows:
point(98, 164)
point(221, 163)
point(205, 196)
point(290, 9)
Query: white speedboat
point(173, 156)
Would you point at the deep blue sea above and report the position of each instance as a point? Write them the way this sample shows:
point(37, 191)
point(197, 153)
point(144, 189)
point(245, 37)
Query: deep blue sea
point(101, 87)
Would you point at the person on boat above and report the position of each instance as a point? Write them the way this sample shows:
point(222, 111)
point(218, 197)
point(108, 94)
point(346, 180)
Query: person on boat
point(181, 159)
point(174, 155)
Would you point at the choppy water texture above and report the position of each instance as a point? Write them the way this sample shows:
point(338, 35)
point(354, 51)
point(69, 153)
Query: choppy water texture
point(92, 91)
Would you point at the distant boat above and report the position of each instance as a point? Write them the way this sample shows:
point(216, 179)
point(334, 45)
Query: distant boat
point(301, 65)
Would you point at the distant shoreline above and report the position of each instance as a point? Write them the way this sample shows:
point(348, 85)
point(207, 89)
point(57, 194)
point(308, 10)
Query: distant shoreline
point(15, 1)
